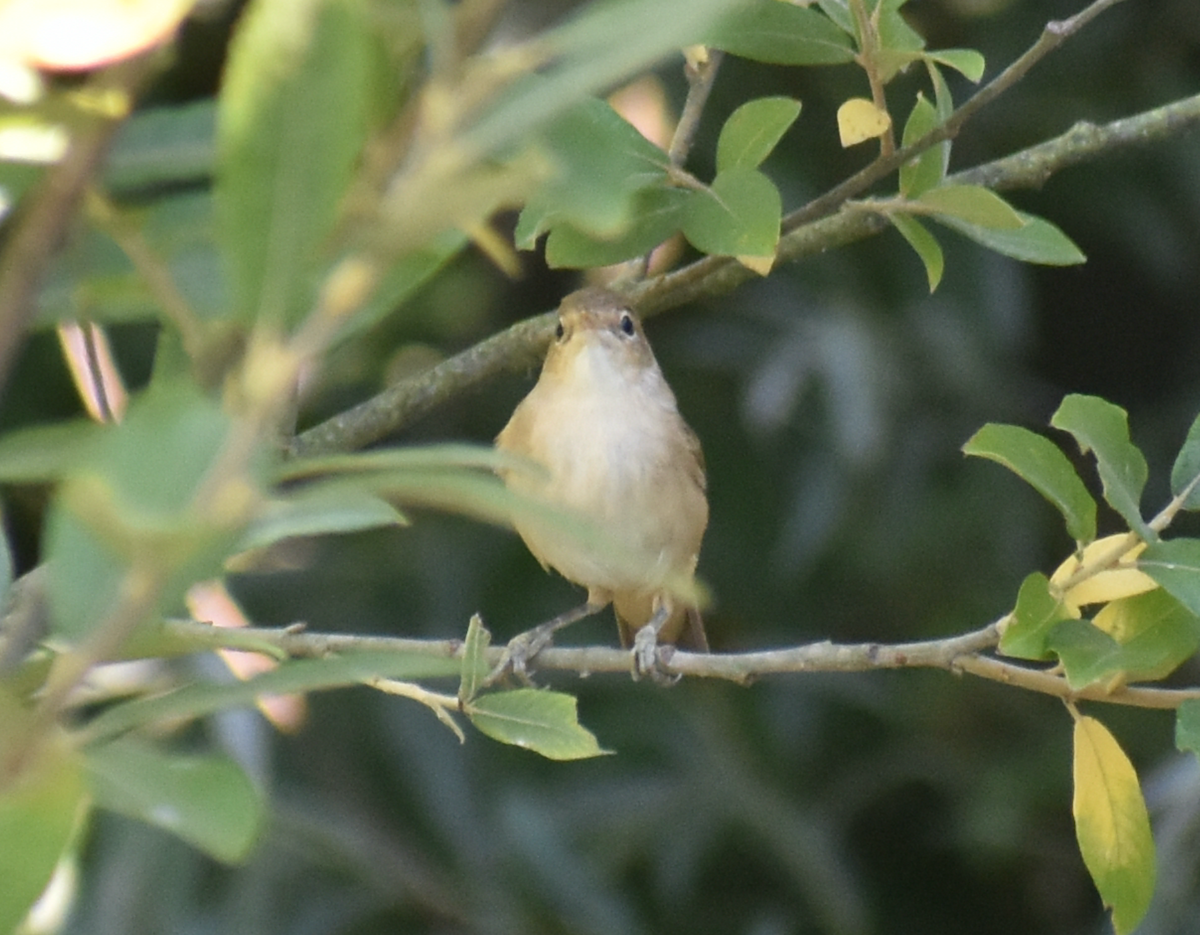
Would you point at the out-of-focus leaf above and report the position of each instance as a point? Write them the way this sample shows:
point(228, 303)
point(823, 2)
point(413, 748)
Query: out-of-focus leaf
point(199, 699)
point(543, 721)
point(206, 800)
point(602, 162)
point(45, 452)
point(1112, 825)
point(1175, 564)
point(1087, 654)
point(1036, 614)
point(928, 169)
point(324, 508)
point(967, 62)
point(163, 146)
point(1038, 241)
point(753, 130)
point(291, 122)
point(40, 804)
point(658, 214)
point(1186, 469)
point(1103, 428)
point(1187, 726)
point(738, 216)
point(1041, 464)
point(924, 243)
point(973, 204)
point(781, 34)
point(417, 457)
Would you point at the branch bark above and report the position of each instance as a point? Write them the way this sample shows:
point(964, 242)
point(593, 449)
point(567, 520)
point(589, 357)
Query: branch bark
point(521, 345)
point(967, 653)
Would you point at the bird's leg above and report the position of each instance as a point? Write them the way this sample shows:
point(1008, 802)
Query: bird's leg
point(525, 646)
point(646, 660)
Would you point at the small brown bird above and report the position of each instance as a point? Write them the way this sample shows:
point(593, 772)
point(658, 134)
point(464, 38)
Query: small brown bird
point(603, 423)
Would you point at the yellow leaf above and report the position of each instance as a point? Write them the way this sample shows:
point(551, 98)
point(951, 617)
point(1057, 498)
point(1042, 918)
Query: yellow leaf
point(1111, 824)
point(1123, 579)
point(858, 119)
point(759, 264)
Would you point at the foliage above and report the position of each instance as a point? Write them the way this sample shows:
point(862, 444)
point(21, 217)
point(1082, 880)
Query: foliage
point(354, 153)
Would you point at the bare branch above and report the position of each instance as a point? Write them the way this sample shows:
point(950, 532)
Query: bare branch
point(965, 653)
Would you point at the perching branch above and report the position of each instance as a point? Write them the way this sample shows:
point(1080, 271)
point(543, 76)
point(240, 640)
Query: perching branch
point(966, 653)
point(519, 346)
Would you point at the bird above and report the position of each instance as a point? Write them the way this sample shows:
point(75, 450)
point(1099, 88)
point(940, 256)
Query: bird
point(603, 426)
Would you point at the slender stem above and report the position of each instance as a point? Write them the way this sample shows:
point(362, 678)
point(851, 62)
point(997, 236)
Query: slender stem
point(700, 77)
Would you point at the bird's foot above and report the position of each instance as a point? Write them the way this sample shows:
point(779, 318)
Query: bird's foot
point(648, 657)
point(524, 647)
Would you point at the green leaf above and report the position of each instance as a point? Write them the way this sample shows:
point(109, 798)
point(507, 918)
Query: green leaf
point(738, 216)
point(658, 215)
point(1175, 564)
point(1039, 462)
point(839, 12)
point(316, 510)
point(163, 146)
point(1142, 638)
point(45, 452)
point(40, 804)
point(206, 800)
point(1038, 241)
point(973, 204)
point(924, 243)
point(781, 34)
point(927, 171)
point(1112, 825)
point(292, 120)
point(1187, 726)
point(1103, 428)
point(474, 660)
point(1185, 472)
point(1035, 616)
point(543, 721)
point(199, 699)
point(969, 63)
point(753, 131)
point(601, 163)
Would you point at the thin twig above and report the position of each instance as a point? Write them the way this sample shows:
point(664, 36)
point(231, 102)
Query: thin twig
point(520, 346)
point(700, 78)
point(965, 653)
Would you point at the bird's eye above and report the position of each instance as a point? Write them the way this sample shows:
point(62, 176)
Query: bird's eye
point(627, 324)
point(558, 331)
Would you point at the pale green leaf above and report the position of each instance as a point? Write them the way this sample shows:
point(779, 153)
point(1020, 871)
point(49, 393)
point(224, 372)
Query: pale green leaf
point(1035, 616)
point(924, 243)
point(781, 34)
point(543, 721)
point(1185, 473)
point(1038, 241)
point(753, 130)
point(1040, 463)
point(474, 659)
point(927, 170)
point(1175, 564)
point(738, 216)
point(969, 63)
point(973, 204)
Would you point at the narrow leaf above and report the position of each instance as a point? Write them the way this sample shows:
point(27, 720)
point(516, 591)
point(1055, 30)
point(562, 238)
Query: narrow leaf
point(753, 130)
point(928, 169)
point(1040, 463)
point(973, 204)
point(1185, 474)
point(45, 452)
point(1112, 825)
point(474, 659)
point(1103, 429)
point(206, 800)
point(781, 34)
point(1175, 564)
point(336, 507)
point(967, 62)
point(1036, 614)
point(924, 243)
point(1038, 241)
point(545, 722)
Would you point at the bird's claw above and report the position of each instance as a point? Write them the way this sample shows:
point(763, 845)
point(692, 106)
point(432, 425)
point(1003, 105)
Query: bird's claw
point(648, 661)
point(519, 652)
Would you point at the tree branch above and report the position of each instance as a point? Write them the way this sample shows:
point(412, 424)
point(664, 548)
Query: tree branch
point(965, 653)
point(521, 345)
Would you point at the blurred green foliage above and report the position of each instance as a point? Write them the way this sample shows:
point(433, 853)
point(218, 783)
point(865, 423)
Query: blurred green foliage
point(832, 399)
